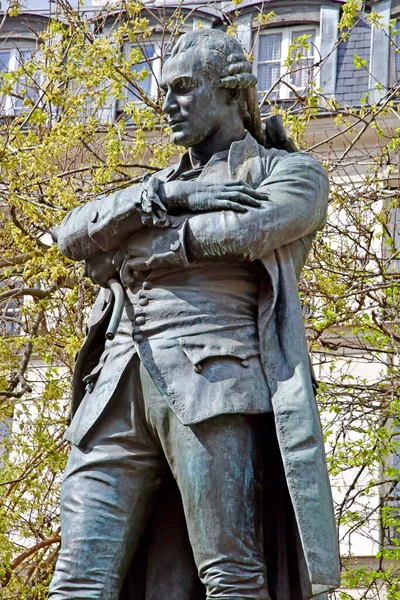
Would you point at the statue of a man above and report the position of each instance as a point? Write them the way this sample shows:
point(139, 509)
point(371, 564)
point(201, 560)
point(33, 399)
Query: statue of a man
point(197, 466)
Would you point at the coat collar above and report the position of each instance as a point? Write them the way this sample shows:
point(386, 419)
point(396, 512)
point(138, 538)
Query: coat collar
point(239, 154)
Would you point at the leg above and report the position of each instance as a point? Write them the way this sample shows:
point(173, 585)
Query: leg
point(217, 465)
point(106, 499)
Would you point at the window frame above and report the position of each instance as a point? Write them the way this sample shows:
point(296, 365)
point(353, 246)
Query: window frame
point(284, 92)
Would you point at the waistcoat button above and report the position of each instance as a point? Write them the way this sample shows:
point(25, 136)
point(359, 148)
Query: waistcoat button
point(143, 301)
point(94, 216)
point(138, 338)
point(140, 320)
point(147, 285)
point(175, 246)
point(245, 363)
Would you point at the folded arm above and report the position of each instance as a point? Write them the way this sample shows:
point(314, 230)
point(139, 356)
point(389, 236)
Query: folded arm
point(85, 231)
point(103, 225)
point(297, 192)
point(296, 197)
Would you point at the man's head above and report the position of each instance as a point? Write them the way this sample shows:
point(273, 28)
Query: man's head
point(209, 88)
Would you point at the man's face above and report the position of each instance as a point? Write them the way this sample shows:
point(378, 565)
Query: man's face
point(194, 105)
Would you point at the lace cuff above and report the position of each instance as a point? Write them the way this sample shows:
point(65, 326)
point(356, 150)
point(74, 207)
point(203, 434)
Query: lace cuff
point(153, 211)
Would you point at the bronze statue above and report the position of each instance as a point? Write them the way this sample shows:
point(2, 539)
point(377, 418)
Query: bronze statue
point(197, 467)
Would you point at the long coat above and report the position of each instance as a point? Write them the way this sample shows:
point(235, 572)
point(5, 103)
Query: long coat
point(300, 534)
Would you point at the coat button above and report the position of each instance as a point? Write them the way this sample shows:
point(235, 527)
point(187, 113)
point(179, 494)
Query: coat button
point(140, 320)
point(147, 285)
point(90, 388)
point(245, 363)
point(138, 338)
point(143, 301)
point(94, 216)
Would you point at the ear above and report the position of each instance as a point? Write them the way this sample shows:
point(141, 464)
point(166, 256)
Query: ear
point(233, 95)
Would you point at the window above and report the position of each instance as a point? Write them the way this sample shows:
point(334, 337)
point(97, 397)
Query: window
point(146, 72)
point(28, 85)
point(9, 318)
point(272, 50)
point(5, 65)
point(391, 497)
point(5, 56)
point(148, 57)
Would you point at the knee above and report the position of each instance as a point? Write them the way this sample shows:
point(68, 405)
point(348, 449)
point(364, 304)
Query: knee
point(234, 580)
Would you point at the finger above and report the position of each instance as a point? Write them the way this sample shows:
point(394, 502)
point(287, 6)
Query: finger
point(240, 182)
point(146, 220)
point(241, 186)
point(244, 188)
point(128, 273)
point(255, 194)
point(242, 198)
point(225, 204)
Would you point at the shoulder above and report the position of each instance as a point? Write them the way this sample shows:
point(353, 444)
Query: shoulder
point(277, 160)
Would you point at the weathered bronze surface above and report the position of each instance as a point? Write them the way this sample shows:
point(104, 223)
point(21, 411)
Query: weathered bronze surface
point(197, 466)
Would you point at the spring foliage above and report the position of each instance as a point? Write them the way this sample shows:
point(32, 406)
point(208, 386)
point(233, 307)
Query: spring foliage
point(64, 146)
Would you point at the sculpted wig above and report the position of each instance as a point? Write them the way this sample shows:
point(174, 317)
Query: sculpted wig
point(223, 59)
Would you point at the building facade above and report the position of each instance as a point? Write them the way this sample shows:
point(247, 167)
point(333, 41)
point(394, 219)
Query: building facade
point(305, 59)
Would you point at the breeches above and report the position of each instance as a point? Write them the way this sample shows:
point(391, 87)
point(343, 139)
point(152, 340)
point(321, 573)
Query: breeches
point(111, 483)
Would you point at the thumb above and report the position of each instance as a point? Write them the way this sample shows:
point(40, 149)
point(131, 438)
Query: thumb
point(128, 271)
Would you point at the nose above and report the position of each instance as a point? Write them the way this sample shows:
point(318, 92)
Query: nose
point(170, 105)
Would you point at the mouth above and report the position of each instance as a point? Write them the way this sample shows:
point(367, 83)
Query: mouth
point(173, 124)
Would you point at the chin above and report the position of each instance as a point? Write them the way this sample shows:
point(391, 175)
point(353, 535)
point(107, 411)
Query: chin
point(179, 141)
point(181, 138)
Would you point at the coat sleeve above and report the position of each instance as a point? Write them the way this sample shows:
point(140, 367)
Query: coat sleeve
point(297, 189)
point(100, 225)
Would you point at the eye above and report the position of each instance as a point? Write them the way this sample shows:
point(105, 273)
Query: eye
point(182, 89)
point(185, 85)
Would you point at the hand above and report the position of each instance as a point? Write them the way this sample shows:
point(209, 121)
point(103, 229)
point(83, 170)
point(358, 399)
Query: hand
point(152, 248)
point(101, 268)
point(196, 196)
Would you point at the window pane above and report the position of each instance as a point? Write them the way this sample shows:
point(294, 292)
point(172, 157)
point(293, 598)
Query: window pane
point(303, 70)
point(4, 60)
point(303, 73)
point(145, 83)
point(4, 66)
point(23, 56)
point(269, 47)
point(310, 41)
point(9, 312)
point(27, 86)
point(267, 75)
